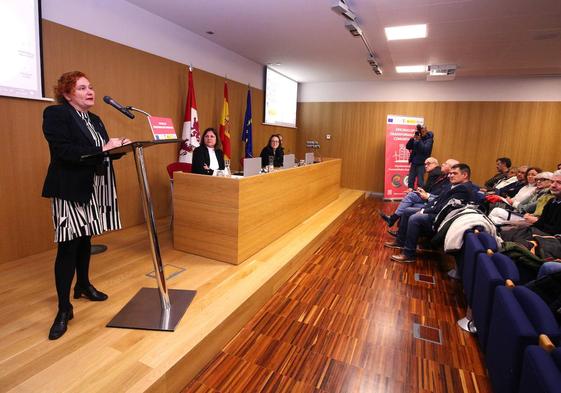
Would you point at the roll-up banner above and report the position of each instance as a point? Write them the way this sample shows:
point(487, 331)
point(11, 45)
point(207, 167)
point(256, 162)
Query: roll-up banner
point(398, 131)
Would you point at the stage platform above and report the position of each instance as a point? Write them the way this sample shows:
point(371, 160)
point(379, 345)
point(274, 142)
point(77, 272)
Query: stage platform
point(93, 358)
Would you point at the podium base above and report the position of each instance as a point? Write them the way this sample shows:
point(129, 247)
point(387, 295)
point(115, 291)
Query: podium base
point(144, 311)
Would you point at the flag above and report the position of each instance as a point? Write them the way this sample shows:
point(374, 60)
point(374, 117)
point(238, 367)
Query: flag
point(225, 126)
point(191, 136)
point(247, 132)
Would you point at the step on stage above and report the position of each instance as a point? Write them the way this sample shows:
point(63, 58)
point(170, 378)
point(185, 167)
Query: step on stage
point(93, 358)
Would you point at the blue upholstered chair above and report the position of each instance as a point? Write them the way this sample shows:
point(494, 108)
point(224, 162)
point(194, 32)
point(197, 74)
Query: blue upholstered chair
point(476, 243)
point(518, 317)
point(541, 370)
point(492, 271)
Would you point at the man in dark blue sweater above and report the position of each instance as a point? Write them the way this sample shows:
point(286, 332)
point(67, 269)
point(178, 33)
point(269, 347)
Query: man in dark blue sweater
point(411, 226)
point(420, 148)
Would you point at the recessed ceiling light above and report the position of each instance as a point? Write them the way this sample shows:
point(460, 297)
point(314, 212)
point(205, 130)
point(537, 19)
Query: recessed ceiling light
point(406, 32)
point(410, 69)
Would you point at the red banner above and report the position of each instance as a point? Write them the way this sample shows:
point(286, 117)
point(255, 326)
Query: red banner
point(398, 131)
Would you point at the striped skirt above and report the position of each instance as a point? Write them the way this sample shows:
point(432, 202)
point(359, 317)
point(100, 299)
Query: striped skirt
point(101, 213)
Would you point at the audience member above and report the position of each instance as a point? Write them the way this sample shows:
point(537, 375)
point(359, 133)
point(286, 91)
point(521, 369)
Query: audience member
point(528, 210)
point(510, 189)
point(503, 165)
point(509, 179)
point(527, 190)
point(420, 148)
point(549, 223)
point(436, 183)
point(412, 223)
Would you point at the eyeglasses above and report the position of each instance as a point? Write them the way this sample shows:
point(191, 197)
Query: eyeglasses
point(542, 179)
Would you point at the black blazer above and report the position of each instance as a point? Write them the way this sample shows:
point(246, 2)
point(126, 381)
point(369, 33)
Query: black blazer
point(68, 177)
point(202, 157)
point(463, 191)
point(268, 151)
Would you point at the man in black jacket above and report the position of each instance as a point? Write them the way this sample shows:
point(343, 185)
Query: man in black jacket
point(503, 166)
point(420, 148)
point(412, 226)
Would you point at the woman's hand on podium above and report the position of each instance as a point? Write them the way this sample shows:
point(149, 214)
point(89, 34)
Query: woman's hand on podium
point(116, 142)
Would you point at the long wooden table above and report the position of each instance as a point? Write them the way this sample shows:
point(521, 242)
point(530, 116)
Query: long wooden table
point(230, 219)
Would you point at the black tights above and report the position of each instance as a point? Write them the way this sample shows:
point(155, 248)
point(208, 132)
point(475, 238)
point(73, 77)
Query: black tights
point(72, 255)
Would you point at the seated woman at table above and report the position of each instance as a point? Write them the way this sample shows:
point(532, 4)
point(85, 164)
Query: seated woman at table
point(273, 149)
point(208, 157)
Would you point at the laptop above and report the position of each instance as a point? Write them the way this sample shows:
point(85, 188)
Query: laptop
point(251, 166)
point(288, 161)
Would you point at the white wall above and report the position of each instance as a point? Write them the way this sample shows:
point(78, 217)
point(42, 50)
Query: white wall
point(469, 89)
point(125, 23)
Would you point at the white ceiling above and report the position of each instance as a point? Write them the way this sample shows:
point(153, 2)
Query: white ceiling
point(483, 37)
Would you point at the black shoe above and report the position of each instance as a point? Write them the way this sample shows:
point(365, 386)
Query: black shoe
point(392, 220)
point(393, 233)
point(89, 292)
point(384, 217)
point(60, 324)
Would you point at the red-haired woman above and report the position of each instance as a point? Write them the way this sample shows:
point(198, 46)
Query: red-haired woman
point(83, 194)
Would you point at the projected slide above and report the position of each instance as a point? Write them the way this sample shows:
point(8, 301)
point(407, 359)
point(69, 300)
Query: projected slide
point(20, 68)
point(280, 99)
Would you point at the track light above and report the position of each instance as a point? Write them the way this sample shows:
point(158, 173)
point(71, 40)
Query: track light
point(374, 64)
point(354, 28)
point(343, 9)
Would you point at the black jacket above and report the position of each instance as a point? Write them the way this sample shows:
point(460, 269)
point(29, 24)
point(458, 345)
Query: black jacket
point(462, 192)
point(201, 157)
point(68, 177)
point(421, 149)
point(432, 178)
point(268, 151)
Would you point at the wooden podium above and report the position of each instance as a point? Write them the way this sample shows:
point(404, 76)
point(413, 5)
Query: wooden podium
point(151, 308)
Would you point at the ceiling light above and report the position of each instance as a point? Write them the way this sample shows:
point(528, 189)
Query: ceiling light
point(410, 69)
point(406, 32)
point(354, 28)
point(343, 9)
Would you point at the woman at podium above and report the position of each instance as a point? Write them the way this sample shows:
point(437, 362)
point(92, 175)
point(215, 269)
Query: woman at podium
point(208, 157)
point(83, 194)
point(273, 149)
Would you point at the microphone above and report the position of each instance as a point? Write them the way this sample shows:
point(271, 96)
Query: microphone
point(123, 109)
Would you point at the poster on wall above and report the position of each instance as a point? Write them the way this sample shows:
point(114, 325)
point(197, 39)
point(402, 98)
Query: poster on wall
point(398, 131)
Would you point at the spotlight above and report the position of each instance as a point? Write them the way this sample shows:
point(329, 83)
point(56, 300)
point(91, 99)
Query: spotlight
point(371, 60)
point(354, 28)
point(343, 9)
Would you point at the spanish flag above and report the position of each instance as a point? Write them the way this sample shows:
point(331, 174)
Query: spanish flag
point(225, 126)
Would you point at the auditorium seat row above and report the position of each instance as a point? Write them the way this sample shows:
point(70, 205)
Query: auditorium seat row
point(510, 320)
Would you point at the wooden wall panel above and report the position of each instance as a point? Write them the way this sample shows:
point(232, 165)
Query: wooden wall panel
point(146, 81)
point(474, 132)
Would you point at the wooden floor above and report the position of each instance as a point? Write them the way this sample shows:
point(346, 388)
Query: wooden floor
point(93, 358)
point(345, 321)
